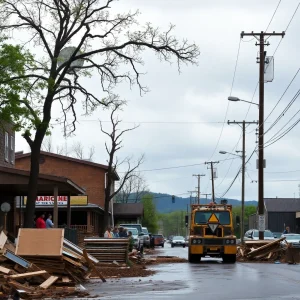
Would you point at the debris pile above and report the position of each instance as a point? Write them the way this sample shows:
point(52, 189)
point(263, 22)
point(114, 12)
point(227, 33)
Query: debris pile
point(44, 264)
point(261, 250)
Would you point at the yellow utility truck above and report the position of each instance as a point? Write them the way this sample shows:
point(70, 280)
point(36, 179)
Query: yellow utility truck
point(211, 232)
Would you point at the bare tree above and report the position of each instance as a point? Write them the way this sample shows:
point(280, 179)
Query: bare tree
point(48, 146)
point(78, 150)
point(109, 46)
point(115, 137)
point(133, 189)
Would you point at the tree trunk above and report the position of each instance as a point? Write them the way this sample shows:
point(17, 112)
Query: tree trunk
point(32, 185)
point(105, 220)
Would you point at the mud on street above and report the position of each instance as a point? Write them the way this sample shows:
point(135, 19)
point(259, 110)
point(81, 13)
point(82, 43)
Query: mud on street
point(209, 279)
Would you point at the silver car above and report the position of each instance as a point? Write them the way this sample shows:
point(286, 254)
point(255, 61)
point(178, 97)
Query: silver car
point(253, 234)
point(178, 241)
point(292, 238)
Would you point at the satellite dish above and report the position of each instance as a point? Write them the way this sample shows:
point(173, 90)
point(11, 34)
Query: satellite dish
point(65, 55)
point(5, 207)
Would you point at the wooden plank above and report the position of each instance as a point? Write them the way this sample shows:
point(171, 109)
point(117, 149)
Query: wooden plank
point(92, 266)
point(40, 242)
point(20, 286)
point(3, 239)
point(48, 282)
point(29, 274)
point(4, 270)
point(73, 262)
point(66, 279)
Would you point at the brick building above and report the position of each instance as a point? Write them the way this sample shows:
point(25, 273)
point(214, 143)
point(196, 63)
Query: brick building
point(88, 175)
point(7, 146)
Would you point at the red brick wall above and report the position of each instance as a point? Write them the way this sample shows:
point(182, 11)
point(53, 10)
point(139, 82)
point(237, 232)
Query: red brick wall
point(89, 177)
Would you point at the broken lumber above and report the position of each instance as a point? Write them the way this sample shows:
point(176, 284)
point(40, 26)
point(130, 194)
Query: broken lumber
point(48, 282)
point(265, 247)
point(29, 274)
point(5, 270)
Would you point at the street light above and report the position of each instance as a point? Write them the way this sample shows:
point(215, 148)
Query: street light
point(235, 99)
point(243, 190)
point(225, 152)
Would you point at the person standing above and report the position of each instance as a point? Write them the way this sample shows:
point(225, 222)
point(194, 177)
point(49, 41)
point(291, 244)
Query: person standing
point(131, 241)
point(40, 222)
point(49, 223)
point(108, 233)
point(287, 230)
point(116, 232)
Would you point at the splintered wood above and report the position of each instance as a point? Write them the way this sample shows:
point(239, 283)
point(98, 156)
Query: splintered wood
point(261, 250)
point(39, 273)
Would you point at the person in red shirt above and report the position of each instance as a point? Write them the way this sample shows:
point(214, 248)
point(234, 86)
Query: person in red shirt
point(40, 222)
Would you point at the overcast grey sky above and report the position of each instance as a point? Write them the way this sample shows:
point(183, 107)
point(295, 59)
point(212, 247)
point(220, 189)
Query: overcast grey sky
point(181, 118)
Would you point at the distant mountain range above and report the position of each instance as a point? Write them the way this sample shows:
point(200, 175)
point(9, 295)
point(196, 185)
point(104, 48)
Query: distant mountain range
point(164, 202)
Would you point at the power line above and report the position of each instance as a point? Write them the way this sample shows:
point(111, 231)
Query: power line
point(287, 26)
point(284, 110)
point(273, 15)
point(176, 167)
point(232, 84)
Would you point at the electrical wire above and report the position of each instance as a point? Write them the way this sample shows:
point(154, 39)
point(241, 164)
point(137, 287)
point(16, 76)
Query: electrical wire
point(287, 107)
point(177, 167)
point(278, 172)
point(273, 15)
point(232, 84)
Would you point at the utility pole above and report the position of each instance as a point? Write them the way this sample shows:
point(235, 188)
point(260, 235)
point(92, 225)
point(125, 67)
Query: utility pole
point(261, 38)
point(242, 229)
point(199, 176)
point(191, 196)
point(205, 195)
point(211, 163)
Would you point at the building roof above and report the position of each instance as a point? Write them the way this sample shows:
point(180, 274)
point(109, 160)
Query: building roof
point(20, 155)
point(128, 209)
point(15, 182)
point(282, 204)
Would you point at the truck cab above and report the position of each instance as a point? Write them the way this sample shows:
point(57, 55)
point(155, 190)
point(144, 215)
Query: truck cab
point(211, 232)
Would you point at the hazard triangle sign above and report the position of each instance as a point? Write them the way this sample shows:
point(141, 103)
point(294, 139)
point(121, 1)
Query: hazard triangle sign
point(213, 226)
point(213, 219)
point(213, 223)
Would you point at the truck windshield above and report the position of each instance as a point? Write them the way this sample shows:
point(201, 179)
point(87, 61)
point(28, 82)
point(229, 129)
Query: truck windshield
point(202, 217)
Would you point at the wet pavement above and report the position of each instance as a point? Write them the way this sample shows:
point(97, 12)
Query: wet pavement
point(209, 279)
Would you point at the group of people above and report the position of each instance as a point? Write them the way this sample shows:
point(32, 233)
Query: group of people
point(40, 222)
point(117, 232)
point(121, 233)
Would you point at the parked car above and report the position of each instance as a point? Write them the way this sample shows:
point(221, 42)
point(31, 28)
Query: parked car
point(145, 237)
point(292, 238)
point(252, 234)
point(137, 226)
point(138, 241)
point(159, 240)
point(178, 241)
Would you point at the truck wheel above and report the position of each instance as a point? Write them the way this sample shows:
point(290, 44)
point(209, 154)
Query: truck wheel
point(194, 258)
point(229, 258)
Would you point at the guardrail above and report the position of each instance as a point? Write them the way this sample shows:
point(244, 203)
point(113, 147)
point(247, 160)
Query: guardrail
point(107, 250)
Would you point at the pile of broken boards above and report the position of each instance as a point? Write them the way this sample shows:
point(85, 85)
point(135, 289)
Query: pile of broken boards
point(262, 250)
point(44, 264)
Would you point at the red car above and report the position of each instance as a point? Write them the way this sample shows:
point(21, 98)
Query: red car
point(159, 240)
